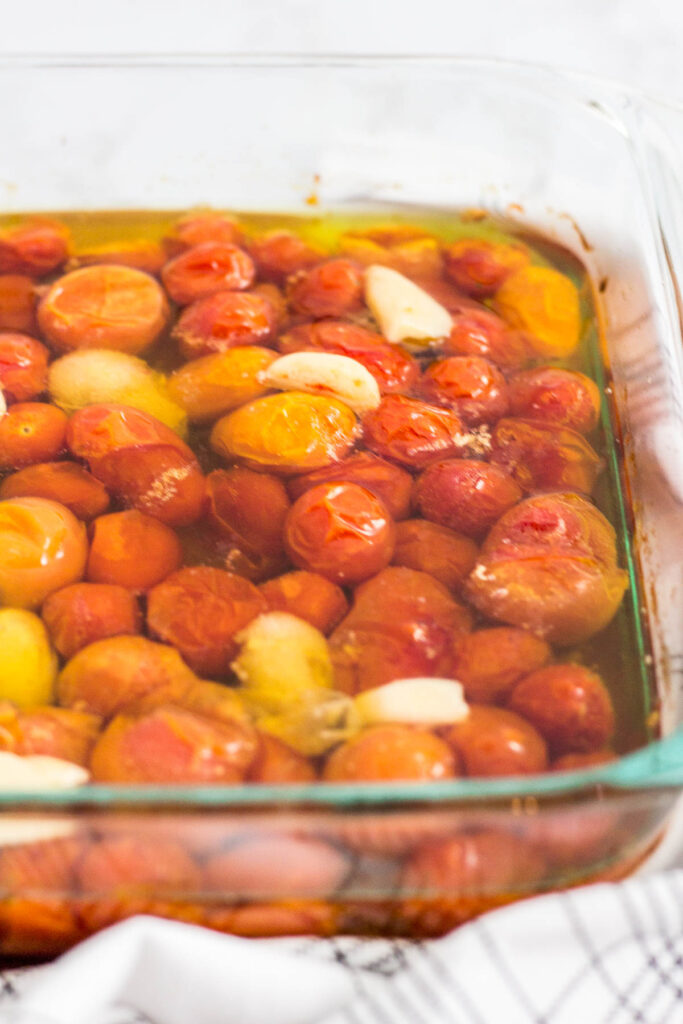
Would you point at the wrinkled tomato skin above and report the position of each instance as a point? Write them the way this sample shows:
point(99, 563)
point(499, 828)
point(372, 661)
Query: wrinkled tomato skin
point(412, 432)
point(479, 332)
point(309, 596)
point(387, 753)
point(392, 485)
point(35, 248)
point(82, 613)
point(172, 745)
point(199, 610)
point(23, 366)
point(393, 369)
point(132, 550)
point(488, 662)
point(472, 386)
point(277, 764)
point(156, 479)
point(495, 741)
point(205, 269)
point(48, 732)
point(465, 495)
point(340, 530)
point(222, 321)
point(278, 254)
point(428, 547)
point(553, 395)
point(18, 304)
point(248, 510)
point(569, 705)
point(31, 432)
point(332, 288)
point(545, 456)
point(97, 430)
point(66, 482)
point(479, 267)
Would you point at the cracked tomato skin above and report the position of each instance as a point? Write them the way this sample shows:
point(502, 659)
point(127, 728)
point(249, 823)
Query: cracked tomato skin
point(66, 482)
point(479, 267)
point(446, 555)
point(31, 432)
point(340, 530)
point(466, 495)
point(495, 741)
point(488, 662)
point(387, 753)
point(387, 482)
point(132, 550)
point(23, 366)
point(309, 596)
point(224, 320)
point(97, 430)
point(472, 386)
point(413, 433)
point(545, 456)
point(82, 613)
point(205, 269)
point(332, 288)
point(199, 610)
point(554, 395)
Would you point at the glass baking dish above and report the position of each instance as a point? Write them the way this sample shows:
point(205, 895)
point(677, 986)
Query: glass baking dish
point(591, 166)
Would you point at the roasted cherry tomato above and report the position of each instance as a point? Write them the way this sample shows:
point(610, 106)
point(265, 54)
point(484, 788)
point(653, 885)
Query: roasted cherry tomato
point(17, 305)
point(223, 321)
point(126, 861)
point(31, 432)
point(278, 254)
point(410, 251)
point(545, 456)
point(479, 267)
point(446, 555)
point(305, 867)
point(199, 610)
point(48, 732)
point(488, 662)
point(138, 254)
point(84, 612)
point(340, 530)
point(209, 387)
point(544, 304)
point(479, 332)
point(197, 228)
point(278, 763)
point(465, 495)
point(582, 761)
point(472, 386)
point(385, 753)
point(132, 550)
point(42, 547)
point(332, 288)
point(386, 481)
point(23, 367)
point(104, 306)
point(97, 430)
point(309, 596)
point(493, 741)
point(412, 432)
point(35, 247)
point(65, 482)
point(205, 269)
point(569, 705)
point(554, 395)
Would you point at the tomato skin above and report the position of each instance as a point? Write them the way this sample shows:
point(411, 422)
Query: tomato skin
point(224, 320)
point(428, 547)
point(149, 257)
point(466, 495)
point(97, 430)
point(494, 741)
point(208, 387)
point(48, 731)
point(132, 550)
point(18, 305)
point(309, 596)
point(103, 306)
point(545, 304)
point(332, 288)
point(581, 761)
point(277, 763)
point(66, 482)
point(199, 610)
point(545, 456)
point(35, 247)
point(569, 705)
point(116, 862)
point(341, 531)
point(479, 267)
point(479, 332)
point(278, 254)
point(385, 753)
point(82, 613)
point(470, 385)
point(389, 483)
point(488, 662)
point(412, 432)
point(553, 395)
point(207, 268)
point(198, 228)
point(31, 432)
point(23, 367)
point(248, 510)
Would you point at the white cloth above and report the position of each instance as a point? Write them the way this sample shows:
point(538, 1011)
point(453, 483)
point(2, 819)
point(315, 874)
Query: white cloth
point(605, 954)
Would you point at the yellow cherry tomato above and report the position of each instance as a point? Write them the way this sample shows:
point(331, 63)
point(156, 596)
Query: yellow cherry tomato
point(545, 305)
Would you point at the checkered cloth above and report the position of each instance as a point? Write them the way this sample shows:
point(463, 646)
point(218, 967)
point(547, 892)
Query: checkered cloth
point(605, 954)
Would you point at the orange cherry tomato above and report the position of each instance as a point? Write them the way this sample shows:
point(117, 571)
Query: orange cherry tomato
point(42, 547)
point(554, 395)
point(49, 732)
point(222, 321)
point(545, 456)
point(488, 662)
point(118, 862)
point(340, 530)
point(387, 753)
point(332, 288)
point(305, 867)
point(288, 433)
point(18, 305)
point(479, 332)
point(209, 387)
point(199, 610)
point(278, 254)
point(466, 495)
point(197, 228)
point(428, 547)
point(569, 705)
point(277, 763)
point(412, 432)
point(35, 247)
point(104, 306)
point(31, 432)
point(479, 267)
point(132, 550)
point(493, 741)
point(309, 596)
point(580, 761)
point(23, 367)
point(544, 304)
point(97, 430)
point(205, 269)
point(470, 385)
point(139, 254)
point(248, 510)
point(84, 612)
point(389, 483)
point(65, 482)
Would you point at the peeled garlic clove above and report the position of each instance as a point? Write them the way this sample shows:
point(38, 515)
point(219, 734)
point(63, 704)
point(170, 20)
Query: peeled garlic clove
point(323, 373)
point(3, 403)
point(36, 772)
point(420, 701)
point(404, 312)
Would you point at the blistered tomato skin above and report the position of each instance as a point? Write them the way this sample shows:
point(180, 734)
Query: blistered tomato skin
point(428, 547)
point(82, 613)
point(199, 610)
point(205, 269)
point(340, 530)
point(332, 288)
point(34, 247)
point(66, 482)
point(553, 395)
point(470, 385)
point(104, 306)
point(278, 254)
point(495, 741)
point(386, 753)
point(479, 267)
point(544, 304)
point(42, 547)
point(288, 433)
point(488, 662)
point(247, 510)
point(31, 432)
point(132, 550)
point(389, 483)
point(479, 332)
point(569, 705)
point(23, 367)
point(545, 456)
point(466, 495)
point(412, 432)
point(309, 596)
point(209, 387)
point(223, 321)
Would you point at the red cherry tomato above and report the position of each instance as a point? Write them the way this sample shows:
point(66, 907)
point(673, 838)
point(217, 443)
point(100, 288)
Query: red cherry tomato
point(305, 867)
point(543, 456)
point(580, 762)
point(385, 753)
point(49, 732)
point(31, 432)
point(222, 321)
point(488, 662)
point(248, 512)
point(278, 254)
point(479, 267)
point(277, 763)
point(333, 288)
point(205, 269)
point(65, 482)
point(35, 247)
point(132, 550)
point(412, 432)
point(493, 741)
point(97, 430)
point(466, 495)
point(149, 257)
point(197, 228)
point(18, 305)
point(554, 395)
point(472, 386)
point(23, 367)
point(117, 862)
point(478, 332)
point(85, 612)
point(390, 484)
point(341, 531)
point(448, 556)
point(309, 596)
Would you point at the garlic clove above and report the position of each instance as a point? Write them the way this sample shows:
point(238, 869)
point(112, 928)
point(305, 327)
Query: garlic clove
point(419, 701)
point(324, 373)
point(403, 310)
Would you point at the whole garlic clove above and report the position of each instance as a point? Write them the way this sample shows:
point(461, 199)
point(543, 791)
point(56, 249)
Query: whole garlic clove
point(404, 311)
point(36, 772)
point(419, 701)
point(324, 373)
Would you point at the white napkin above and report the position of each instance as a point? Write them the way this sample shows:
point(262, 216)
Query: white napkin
point(605, 954)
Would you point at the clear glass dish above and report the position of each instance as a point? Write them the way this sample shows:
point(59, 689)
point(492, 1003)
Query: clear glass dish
point(589, 165)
